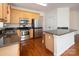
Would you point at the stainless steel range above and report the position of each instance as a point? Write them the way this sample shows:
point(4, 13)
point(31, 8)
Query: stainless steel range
point(24, 31)
point(24, 34)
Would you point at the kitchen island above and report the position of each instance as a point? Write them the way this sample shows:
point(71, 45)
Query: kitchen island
point(59, 40)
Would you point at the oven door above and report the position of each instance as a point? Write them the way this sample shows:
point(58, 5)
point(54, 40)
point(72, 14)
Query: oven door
point(25, 34)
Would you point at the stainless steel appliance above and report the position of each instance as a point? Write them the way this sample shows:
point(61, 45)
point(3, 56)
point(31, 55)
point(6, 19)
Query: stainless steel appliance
point(37, 28)
point(1, 37)
point(24, 31)
point(25, 34)
point(24, 21)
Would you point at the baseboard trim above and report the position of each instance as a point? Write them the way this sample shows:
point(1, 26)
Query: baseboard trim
point(66, 50)
point(50, 52)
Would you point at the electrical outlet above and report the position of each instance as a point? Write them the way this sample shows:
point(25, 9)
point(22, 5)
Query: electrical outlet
point(49, 37)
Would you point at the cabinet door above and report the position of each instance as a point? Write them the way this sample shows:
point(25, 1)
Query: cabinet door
point(18, 33)
point(5, 12)
point(31, 33)
point(12, 50)
point(49, 42)
point(8, 13)
point(0, 10)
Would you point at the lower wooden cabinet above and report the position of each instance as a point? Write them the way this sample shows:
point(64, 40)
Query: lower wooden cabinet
point(31, 33)
point(49, 42)
point(12, 50)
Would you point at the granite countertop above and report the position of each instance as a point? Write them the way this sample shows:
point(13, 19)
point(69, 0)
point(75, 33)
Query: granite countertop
point(59, 32)
point(15, 28)
point(10, 39)
point(21, 28)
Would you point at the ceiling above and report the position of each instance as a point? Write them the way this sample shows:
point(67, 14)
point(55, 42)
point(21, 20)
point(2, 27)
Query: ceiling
point(49, 6)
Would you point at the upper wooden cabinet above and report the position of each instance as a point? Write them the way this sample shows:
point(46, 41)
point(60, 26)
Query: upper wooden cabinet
point(5, 12)
point(0, 10)
point(17, 14)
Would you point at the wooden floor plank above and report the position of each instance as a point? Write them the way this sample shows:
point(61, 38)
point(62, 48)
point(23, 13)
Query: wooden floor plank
point(34, 48)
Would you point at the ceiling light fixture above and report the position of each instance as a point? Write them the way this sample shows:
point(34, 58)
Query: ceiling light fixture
point(42, 4)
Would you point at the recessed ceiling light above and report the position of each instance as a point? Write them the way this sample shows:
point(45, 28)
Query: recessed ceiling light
point(42, 4)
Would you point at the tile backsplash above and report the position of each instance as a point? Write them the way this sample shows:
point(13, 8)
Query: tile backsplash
point(15, 25)
point(1, 24)
point(11, 25)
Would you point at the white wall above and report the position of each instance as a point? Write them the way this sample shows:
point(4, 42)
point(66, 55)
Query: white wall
point(50, 20)
point(58, 17)
point(63, 17)
point(77, 22)
point(74, 20)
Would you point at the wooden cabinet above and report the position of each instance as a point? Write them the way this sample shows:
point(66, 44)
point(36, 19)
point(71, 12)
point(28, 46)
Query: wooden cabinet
point(18, 33)
point(31, 33)
point(5, 12)
point(0, 10)
point(49, 42)
point(12, 50)
point(16, 14)
point(8, 13)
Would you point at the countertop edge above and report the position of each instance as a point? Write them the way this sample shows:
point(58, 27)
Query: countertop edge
point(59, 34)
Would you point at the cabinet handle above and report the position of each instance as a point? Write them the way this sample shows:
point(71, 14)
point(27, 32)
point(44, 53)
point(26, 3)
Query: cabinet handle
point(7, 10)
point(5, 17)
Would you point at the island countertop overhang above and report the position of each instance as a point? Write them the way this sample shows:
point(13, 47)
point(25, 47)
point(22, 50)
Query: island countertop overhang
point(60, 32)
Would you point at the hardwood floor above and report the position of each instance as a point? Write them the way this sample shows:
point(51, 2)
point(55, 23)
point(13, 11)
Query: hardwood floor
point(34, 47)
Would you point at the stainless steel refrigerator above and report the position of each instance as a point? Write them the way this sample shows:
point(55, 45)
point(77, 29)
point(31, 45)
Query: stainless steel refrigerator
point(37, 28)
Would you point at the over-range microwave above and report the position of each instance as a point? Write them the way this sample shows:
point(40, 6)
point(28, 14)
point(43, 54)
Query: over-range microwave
point(24, 21)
